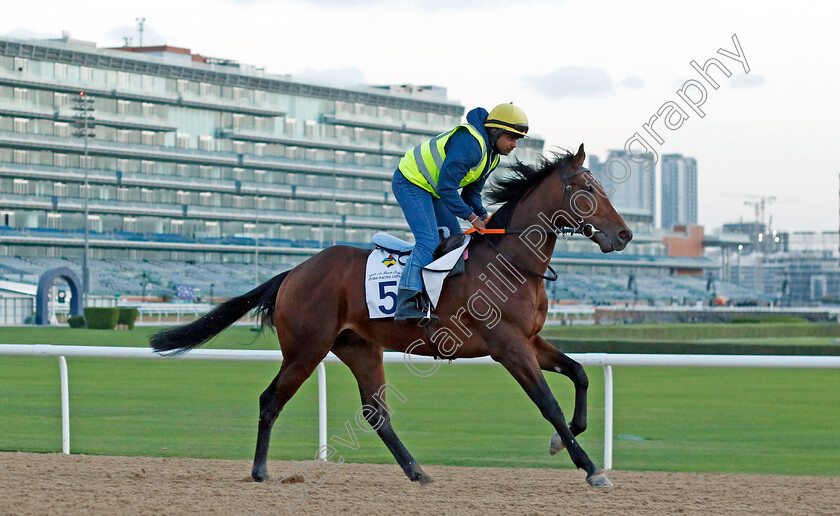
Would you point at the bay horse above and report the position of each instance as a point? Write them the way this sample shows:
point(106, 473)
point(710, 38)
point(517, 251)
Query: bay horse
point(319, 306)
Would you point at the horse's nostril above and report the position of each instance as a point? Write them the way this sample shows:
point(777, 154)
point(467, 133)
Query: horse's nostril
point(625, 235)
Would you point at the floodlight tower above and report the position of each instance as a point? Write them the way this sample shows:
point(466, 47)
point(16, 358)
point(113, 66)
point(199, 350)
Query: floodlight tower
point(83, 122)
point(140, 22)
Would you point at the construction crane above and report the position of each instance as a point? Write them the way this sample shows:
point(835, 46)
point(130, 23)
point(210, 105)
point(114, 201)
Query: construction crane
point(759, 202)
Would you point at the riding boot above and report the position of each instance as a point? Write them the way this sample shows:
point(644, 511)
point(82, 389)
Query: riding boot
point(412, 306)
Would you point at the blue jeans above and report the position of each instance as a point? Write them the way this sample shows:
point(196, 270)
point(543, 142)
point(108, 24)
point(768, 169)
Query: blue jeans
point(424, 214)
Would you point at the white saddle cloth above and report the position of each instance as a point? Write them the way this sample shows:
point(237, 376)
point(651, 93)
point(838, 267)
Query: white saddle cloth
point(382, 277)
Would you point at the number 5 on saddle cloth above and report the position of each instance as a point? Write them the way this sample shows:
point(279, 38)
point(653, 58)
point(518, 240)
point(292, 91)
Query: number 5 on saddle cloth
point(386, 262)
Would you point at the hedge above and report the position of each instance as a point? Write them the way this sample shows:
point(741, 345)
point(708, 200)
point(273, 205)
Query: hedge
point(128, 316)
point(77, 321)
point(101, 318)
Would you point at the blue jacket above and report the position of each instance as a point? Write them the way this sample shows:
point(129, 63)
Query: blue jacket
point(462, 153)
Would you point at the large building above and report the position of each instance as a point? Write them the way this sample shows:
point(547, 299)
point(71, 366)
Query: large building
point(631, 185)
point(197, 159)
point(679, 191)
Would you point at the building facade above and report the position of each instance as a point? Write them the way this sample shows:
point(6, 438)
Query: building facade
point(198, 159)
point(630, 185)
point(679, 191)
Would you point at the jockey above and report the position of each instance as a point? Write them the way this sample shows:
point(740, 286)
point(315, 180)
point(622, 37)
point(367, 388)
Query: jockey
point(426, 185)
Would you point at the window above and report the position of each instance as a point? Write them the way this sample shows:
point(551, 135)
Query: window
point(259, 176)
point(290, 126)
point(183, 197)
point(205, 142)
point(122, 79)
point(182, 140)
point(310, 128)
point(212, 228)
point(86, 74)
point(130, 224)
point(148, 109)
point(122, 165)
point(205, 198)
point(147, 195)
point(60, 189)
point(237, 121)
point(21, 186)
point(206, 171)
point(61, 129)
point(21, 125)
point(54, 220)
point(7, 218)
point(60, 70)
point(21, 64)
point(259, 149)
point(147, 137)
point(123, 135)
point(238, 147)
point(176, 226)
point(182, 170)
point(147, 167)
point(60, 100)
point(123, 194)
point(20, 156)
point(123, 107)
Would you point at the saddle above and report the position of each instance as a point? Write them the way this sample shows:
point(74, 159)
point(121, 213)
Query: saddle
point(399, 246)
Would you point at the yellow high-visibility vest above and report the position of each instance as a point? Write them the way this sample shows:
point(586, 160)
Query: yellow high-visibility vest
point(421, 165)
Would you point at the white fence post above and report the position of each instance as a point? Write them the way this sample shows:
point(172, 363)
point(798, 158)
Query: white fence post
point(608, 416)
point(65, 406)
point(322, 411)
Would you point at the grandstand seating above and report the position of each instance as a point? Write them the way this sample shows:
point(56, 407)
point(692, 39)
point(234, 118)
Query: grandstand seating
point(126, 277)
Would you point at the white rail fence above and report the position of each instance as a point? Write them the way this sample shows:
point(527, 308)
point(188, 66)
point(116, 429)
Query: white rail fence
point(605, 360)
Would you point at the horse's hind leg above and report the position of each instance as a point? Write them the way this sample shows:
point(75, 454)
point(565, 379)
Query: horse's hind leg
point(294, 371)
point(365, 361)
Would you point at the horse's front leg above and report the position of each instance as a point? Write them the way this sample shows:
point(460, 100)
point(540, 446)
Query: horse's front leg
point(551, 359)
point(521, 362)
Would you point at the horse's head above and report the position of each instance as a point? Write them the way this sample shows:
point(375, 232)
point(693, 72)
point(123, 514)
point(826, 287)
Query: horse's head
point(586, 206)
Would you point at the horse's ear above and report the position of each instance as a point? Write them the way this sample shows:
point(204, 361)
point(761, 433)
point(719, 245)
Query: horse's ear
point(579, 157)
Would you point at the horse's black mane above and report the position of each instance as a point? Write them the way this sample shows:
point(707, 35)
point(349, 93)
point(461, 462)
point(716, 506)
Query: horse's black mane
point(509, 190)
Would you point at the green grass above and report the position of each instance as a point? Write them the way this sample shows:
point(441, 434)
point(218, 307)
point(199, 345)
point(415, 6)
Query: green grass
point(691, 419)
point(692, 332)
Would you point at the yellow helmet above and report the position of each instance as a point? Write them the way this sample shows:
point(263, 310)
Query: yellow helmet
point(508, 117)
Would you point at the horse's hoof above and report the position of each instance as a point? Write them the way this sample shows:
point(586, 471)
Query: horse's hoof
point(259, 476)
point(418, 475)
point(598, 479)
point(556, 445)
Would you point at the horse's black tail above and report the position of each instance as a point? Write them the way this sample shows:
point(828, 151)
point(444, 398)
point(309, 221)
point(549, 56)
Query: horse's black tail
point(184, 338)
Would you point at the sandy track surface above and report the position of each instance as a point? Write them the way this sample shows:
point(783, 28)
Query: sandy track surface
point(79, 484)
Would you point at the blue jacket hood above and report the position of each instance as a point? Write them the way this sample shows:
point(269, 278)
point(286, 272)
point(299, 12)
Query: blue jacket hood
point(476, 118)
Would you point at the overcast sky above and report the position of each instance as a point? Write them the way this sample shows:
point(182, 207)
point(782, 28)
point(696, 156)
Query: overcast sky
point(583, 71)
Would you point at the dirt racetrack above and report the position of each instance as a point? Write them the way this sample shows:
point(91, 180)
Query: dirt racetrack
point(80, 484)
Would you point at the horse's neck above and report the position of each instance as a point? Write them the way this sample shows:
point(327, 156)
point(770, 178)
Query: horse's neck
point(529, 248)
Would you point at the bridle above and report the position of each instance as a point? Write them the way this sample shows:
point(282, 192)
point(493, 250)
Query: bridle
point(587, 230)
